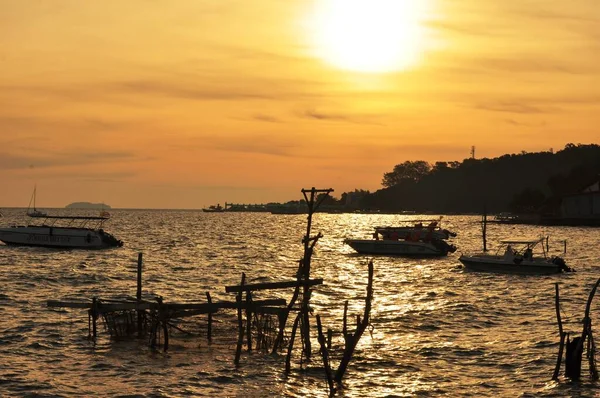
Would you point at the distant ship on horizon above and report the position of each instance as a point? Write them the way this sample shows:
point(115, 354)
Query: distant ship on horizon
point(214, 209)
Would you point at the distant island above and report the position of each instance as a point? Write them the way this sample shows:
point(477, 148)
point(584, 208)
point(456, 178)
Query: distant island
point(87, 205)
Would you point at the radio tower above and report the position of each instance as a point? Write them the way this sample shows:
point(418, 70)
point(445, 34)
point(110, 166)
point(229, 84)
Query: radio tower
point(473, 152)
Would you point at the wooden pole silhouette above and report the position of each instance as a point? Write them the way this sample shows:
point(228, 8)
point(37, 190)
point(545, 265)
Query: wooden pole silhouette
point(140, 316)
point(574, 348)
point(325, 353)
point(309, 243)
point(238, 350)
point(350, 339)
point(209, 325)
point(561, 333)
point(361, 325)
point(313, 202)
point(484, 227)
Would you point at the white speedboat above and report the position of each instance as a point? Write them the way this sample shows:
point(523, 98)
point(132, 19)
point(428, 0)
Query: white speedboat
point(64, 232)
point(413, 239)
point(516, 256)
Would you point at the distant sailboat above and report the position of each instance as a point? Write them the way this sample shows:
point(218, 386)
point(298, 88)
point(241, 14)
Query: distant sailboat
point(35, 212)
point(103, 212)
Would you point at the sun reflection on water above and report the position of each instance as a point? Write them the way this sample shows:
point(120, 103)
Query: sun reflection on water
point(436, 330)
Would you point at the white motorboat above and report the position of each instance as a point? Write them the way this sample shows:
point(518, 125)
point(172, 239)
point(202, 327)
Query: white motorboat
point(65, 232)
point(413, 239)
point(517, 256)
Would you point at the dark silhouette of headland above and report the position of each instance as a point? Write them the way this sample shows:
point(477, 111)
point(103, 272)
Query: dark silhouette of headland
point(561, 188)
point(522, 183)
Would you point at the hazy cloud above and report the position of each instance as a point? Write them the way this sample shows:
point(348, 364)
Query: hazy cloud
point(198, 93)
point(469, 29)
point(327, 116)
point(47, 159)
point(266, 118)
point(517, 123)
point(511, 107)
point(260, 143)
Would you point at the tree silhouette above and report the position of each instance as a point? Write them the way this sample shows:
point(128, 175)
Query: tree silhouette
point(411, 171)
point(518, 181)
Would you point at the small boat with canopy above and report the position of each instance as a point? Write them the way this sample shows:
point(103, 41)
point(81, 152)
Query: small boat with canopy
point(64, 232)
point(61, 231)
point(414, 238)
point(518, 256)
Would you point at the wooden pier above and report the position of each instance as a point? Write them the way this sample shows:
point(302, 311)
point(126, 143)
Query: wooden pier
point(261, 324)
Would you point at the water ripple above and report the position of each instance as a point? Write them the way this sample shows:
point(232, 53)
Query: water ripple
point(437, 330)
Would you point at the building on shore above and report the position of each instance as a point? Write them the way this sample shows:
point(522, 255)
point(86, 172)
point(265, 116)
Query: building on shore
point(581, 208)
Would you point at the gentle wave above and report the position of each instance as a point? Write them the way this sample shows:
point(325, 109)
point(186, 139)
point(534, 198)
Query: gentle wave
point(436, 329)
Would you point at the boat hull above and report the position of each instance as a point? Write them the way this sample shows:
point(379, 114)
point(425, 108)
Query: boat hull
point(497, 264)
point(395, 248)
point(58, 237)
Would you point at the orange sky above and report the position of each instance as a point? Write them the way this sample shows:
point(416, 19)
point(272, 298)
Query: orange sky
point(182, 104)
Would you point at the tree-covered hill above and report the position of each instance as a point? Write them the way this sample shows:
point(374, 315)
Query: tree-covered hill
point(509, 182)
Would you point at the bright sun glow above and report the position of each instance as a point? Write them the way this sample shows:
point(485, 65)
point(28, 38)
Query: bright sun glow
point(370, 35)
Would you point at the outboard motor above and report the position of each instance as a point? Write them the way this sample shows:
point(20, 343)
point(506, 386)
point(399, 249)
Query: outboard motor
point(111, 240)
point(562, 264)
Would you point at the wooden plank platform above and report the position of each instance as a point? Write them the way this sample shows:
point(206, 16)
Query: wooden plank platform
point(200, 308)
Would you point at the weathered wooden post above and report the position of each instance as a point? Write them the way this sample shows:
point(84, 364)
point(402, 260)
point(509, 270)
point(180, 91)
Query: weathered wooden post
point(288, 357)
point(574, 348)
point(283, 317)
point(560, 332)
point(573, 358)
point(160, 322)
point(484, 227)
point(209, 326)
point(306, 273)
point(303, 274)
point(249, 319)
point(587, 333)
point(325, 354)
point(165, 323)
point(244, 287)
point(140, 316)
point(238, 300)
point(309, 244)
point(94, 314)
point(350, 340)
point(361, 326)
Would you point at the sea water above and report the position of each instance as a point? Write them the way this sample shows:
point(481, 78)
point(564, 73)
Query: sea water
point(436, 329)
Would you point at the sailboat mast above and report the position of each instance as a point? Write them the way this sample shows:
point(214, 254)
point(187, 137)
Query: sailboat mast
point(32, 199)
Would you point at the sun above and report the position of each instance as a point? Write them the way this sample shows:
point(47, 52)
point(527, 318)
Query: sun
point(372, 36)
